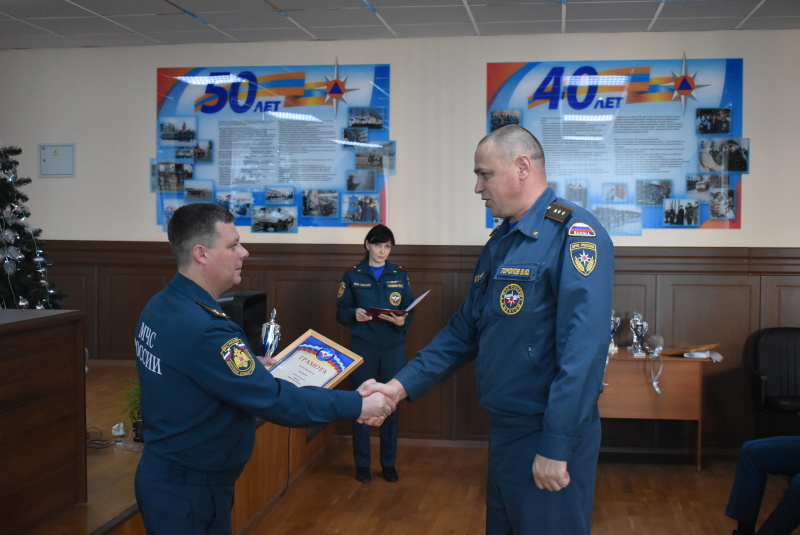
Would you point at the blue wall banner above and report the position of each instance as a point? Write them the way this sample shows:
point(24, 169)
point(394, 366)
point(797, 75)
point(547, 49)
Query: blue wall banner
point(281, 147)
point(641, 143)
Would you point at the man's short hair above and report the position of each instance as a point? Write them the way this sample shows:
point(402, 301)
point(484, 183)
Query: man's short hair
point(512, 140)
point(195, 224)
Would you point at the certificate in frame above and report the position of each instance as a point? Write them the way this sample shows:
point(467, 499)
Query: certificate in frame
point(315, 360)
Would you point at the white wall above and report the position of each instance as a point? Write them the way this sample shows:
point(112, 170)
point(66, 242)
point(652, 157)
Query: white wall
point(104, 101)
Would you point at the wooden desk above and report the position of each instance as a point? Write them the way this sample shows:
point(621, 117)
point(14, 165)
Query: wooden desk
point(42, 392)
point(629, 391)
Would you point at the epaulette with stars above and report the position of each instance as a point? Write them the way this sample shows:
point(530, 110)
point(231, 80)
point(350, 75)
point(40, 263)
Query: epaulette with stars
point(558, 212)
point(214, 312)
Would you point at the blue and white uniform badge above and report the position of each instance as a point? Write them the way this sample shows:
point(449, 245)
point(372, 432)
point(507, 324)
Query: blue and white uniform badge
point(584, 256)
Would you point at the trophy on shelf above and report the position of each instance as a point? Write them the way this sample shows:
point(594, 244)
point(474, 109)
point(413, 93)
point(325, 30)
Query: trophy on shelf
point(638, 328)
point(270, 335)
point(612, 347)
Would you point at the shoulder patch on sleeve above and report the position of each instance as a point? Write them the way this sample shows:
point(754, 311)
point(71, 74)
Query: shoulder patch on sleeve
point(342, 287)
point(584, 256)
point(236, 354)
point(558, 212)
point(582, 229)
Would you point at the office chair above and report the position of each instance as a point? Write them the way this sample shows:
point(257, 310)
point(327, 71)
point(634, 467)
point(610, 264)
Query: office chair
point(776, 375)
point(249, 310)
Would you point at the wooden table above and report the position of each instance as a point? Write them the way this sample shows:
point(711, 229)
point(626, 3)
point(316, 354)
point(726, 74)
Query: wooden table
point(43, 440)
point(629, 391)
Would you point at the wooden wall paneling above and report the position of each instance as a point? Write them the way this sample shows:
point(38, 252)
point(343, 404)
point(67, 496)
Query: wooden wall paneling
point(633, 293)
point(123, 294)
point(780, 301)
point(430, 416)
point(774, 260)
point(304, 299)
point(80, 285)
point(701, 309)
point(121, 276)
point(472, 421)
point(682, 260)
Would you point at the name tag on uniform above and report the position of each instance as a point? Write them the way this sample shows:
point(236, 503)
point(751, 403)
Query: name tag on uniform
point(519, 273)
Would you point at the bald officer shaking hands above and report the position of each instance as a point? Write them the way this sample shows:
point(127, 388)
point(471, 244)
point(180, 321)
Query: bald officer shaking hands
point(536, 320)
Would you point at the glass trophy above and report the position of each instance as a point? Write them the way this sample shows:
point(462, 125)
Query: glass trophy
point(270, 335)
point(612, 347)
point(638, 328)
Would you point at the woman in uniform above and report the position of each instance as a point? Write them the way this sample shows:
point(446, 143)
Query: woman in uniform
point(379, 338)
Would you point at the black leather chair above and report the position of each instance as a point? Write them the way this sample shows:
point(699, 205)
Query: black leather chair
point(248, 309)
point(776, 378)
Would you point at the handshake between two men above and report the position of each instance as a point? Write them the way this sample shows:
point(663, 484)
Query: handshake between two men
point(379, 400)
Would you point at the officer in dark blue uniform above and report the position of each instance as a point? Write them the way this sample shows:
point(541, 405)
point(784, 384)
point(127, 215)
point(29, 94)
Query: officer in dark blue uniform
point(202, 387)
point(536, 319)
point(757, 459)
point(377, 283)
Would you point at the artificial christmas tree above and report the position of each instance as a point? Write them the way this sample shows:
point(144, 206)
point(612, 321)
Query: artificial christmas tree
point(23, 282)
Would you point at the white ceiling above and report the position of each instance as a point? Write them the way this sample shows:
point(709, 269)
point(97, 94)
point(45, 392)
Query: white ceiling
point(99, 23)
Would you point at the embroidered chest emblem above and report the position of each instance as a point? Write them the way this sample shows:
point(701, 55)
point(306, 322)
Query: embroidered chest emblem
point(511, 299)
point(395, 298)
point(238, 357)
point(584, 257)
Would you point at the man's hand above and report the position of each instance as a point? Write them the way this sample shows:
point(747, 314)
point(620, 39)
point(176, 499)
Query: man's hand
point(267, 361)
point(375, 408)
point(393, 389)
point(549, 474)
point(361, 315)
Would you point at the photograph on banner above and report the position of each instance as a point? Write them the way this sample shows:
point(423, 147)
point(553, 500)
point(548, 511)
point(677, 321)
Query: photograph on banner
point(197, 190)
point(166, 203)
point(698, 185)
point(361, 179)
point(274, 219)
point(256, 138)
point(654, 136)
point(361, 208)
point(279, 195)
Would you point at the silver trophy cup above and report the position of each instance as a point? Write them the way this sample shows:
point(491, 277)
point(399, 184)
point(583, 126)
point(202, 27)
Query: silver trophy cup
point(638, 328)
point(270, 335)
point(612, 347)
